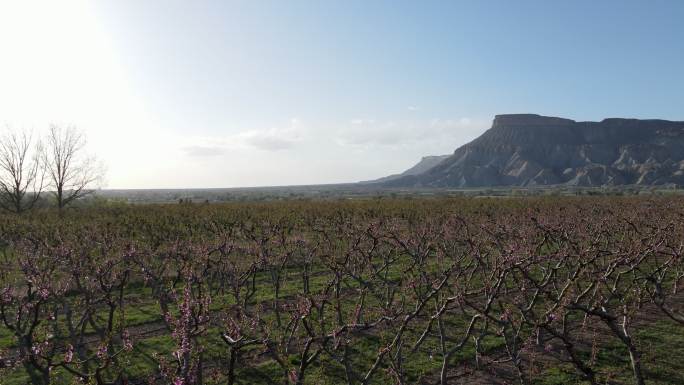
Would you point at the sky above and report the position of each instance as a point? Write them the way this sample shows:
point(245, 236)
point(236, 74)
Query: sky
point(199, 94)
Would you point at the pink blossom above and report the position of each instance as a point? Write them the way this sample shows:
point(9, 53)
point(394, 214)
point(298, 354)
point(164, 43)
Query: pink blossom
point(102, 352)
point(127, 344)
point(6, 295)
point(69, 354)
point(44, 293)
point(293, 376)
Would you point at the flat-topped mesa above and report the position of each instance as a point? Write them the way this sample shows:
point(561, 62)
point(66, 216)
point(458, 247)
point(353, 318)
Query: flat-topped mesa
point(529, 120)
point(530, 149)
point(524, 129)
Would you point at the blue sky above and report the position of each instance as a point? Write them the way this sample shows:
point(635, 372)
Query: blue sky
point(245, 93)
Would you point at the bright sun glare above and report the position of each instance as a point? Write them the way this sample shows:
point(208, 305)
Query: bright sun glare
point(58, 65)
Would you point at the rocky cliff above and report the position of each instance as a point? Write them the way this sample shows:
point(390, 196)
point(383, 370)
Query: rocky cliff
point(529, 150)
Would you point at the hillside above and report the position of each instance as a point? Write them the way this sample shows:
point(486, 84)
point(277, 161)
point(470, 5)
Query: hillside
point(533, 150)
point(425, 164)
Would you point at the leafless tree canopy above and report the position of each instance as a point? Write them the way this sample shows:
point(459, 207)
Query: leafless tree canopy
point(71, 173)
point(21, 177)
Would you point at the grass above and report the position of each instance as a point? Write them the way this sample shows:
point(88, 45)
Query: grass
point(662, 341)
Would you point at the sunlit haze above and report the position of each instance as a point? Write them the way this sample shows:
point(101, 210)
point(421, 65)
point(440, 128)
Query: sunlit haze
point(175, 94)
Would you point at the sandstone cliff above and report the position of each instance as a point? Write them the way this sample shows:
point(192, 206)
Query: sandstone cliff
point(529, 150)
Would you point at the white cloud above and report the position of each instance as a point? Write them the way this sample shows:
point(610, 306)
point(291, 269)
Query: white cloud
point(201, 150)
point(271, 139)
point(372, 133)
point(362, 121)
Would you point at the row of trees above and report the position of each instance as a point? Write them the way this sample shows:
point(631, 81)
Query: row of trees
point(360, 299)
point(58, 163)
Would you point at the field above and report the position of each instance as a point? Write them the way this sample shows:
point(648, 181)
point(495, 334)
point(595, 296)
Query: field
point(450, 290)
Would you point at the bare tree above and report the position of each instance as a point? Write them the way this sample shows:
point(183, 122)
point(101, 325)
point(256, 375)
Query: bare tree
point(21, 177)
point(72, 174)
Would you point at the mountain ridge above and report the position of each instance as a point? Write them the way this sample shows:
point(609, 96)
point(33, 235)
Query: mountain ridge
point(535, 150)
point(425, 164)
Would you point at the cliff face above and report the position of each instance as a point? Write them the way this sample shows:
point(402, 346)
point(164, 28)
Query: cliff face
point(528, 150)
